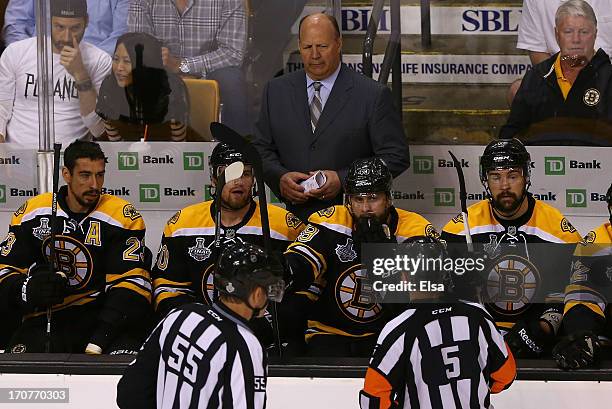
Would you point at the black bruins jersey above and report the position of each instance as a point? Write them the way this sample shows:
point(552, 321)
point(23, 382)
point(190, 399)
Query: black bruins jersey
point(515, 269)
point(325, 260)
point(590, 289)
point(101, 252)
point(187, 253)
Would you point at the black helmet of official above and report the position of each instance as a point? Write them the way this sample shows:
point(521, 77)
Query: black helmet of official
point(223, 155)
point(428, 248)
point(242, 267)
point(368, 176)
point(505, 154)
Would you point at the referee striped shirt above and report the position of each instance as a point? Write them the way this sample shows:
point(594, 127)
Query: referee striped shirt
point(438, 356)
point(197, 357)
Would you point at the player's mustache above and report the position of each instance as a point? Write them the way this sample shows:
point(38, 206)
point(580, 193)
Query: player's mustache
point(92, 192)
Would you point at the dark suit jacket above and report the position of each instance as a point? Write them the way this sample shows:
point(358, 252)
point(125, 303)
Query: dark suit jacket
point(358, 121)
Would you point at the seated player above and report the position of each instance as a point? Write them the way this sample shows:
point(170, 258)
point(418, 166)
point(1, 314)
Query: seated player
point(187, 254)
point(440, 353)
point(97, 286)
point(345, 319)
point(587, 319)
point(505, 228)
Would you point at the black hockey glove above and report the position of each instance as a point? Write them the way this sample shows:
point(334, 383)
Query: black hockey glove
point(579, 350)
point(527, 339)
point(370, 230)
point(43, 287)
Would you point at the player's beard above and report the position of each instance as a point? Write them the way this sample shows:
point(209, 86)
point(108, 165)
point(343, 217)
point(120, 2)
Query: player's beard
point(235, 202)
point(508, 206)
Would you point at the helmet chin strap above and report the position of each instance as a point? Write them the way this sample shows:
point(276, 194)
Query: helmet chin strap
point(254, 311)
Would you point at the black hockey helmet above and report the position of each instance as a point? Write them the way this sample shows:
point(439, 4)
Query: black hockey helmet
point(223, 155)
point(242, 267)
point(505, 154)
point(368, 176)
point(427, 248)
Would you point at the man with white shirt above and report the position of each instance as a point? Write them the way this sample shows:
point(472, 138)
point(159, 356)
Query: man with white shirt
point(324, 117)
point(78, 71)
point(536, 32)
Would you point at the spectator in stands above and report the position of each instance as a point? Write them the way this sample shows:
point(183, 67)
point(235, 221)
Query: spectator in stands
point(78, 71)
point(140, 99)
point(323, 118)
point(107, 21)
point(536, 32)
point(201, 39)
point(573, 83)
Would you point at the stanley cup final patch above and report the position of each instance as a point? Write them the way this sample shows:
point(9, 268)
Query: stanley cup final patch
point(591, 97)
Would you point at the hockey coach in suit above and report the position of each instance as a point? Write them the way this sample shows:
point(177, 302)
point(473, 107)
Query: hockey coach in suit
point(323, 118)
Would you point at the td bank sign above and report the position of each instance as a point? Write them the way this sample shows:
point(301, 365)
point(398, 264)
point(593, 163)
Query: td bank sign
point(558, 165)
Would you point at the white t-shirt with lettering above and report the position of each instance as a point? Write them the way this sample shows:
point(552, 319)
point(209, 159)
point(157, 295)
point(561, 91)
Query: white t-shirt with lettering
point(18, 84)
point(536, 30)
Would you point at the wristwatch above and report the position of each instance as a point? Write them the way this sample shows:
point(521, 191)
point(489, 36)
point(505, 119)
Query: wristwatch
point(184, 67)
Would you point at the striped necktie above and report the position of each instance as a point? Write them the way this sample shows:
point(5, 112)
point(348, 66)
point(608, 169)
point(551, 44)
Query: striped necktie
point(316, 107)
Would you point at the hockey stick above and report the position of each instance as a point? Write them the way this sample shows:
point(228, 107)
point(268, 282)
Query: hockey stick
point(57, 147)
point(227, 135)
point(231, 172)
point(463, 200)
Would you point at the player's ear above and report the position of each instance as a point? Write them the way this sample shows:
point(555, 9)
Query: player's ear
point(66, 174)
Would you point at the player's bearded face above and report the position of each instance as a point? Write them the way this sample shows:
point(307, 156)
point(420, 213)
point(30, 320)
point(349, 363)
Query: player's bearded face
point(84, 183)
point(507, 189)
point(237, 194)
point(370, 205)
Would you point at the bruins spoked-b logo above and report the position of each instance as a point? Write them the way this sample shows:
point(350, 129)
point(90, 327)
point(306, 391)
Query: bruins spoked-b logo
point(72, 258)
point(355, 296)
point(591, 97)
point(208, 285)
point(512, 284)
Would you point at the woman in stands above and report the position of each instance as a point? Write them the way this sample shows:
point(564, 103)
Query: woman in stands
point(140, 100)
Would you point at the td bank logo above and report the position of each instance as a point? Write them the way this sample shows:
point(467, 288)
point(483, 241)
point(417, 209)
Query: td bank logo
point(423, 164)
point(575, 198)
point(193, 160)
point(127, 160)
point(444, 196)
point(2, 194)
point(554, 165)
point(149, 193)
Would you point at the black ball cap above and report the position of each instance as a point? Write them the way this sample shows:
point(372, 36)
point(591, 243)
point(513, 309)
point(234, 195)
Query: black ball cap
point(69, 8)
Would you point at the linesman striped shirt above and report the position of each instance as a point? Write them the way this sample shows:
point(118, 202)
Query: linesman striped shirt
point(438, 356)
point(197, 357)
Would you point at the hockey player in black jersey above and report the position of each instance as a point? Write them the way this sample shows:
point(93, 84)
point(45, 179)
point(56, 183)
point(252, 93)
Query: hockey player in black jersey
point(505, 228)
point(187, 254)
point(207, 357)
point(326, 261)
point(587, 317)
point(102, 292)
point(440, 353)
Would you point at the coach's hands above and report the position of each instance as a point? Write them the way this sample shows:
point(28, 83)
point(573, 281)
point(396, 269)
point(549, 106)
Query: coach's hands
point(579, 350)
point(290, 188)
point(330, 189)
point(43, 287)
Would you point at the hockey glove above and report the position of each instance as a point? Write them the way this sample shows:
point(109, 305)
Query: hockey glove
point(527, 339)
point(41, 288)
point(370, 230)
point(579, 350)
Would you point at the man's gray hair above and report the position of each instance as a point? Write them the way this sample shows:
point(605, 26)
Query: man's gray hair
point(575, 8)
